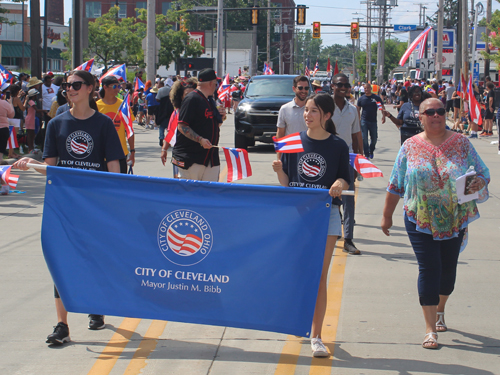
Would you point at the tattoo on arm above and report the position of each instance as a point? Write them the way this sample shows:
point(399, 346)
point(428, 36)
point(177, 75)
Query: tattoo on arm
point(189, 133)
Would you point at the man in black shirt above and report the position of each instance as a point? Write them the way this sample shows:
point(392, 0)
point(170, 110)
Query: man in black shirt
point(198, 132)
point(370, 104)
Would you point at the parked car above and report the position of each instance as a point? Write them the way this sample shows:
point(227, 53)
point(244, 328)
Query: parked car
point(257, 114)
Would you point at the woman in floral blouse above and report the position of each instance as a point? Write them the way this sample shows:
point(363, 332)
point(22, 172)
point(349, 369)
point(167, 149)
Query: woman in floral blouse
point(425, 174)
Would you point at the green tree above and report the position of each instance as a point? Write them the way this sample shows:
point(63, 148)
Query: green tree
point(307, 49)
point(493, 26)
point(393, 52)
point(450, 14)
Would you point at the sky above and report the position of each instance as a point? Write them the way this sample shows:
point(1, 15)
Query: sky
point(334, 11)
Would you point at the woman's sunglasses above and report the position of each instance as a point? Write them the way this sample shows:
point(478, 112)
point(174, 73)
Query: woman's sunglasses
point(113, 86)
point(76, 85)
point(432, 112)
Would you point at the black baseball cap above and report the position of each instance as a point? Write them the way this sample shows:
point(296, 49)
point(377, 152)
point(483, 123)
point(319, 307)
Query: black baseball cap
point(206, 75)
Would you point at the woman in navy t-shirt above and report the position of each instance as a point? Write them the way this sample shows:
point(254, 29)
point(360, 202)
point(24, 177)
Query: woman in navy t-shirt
point(324, 164)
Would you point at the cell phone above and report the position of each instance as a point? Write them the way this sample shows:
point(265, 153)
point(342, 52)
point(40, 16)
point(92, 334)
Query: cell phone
point(7, 95)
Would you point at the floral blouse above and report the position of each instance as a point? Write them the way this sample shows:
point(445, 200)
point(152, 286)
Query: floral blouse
point(425, 175)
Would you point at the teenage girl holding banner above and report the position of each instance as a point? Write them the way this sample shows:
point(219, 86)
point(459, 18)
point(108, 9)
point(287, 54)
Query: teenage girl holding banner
point(324, 164)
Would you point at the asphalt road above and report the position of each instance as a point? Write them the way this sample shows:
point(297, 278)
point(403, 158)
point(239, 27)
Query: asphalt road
point(374, 323)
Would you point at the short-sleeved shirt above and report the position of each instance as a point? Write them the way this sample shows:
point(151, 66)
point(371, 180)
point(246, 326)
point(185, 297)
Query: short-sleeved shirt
point(320, 164)
point(370, 108)
point(111, 111)
point(291, 117)
point(449, 92)
point(201, 115)
point(491, 94)
point(83, 144)
point(151, 98)
point(63, 108)
point(48, 93)
point(346, 123)
point(409, 114)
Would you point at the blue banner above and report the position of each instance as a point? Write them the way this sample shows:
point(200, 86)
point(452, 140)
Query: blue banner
point(233, 255)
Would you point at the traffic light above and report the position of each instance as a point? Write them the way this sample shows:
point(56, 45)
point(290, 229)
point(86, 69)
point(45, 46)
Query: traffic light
point(354, 30)
point(316, 30)
point(255, 16)
point(182, 24)
point(301, 14)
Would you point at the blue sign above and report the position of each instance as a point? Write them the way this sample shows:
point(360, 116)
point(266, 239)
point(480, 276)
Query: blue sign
point(405, 27)
point(448, 38)
point(234, 255)
point(475, 74)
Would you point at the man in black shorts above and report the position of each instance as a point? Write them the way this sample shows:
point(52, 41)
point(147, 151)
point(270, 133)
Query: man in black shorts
point(198, 132)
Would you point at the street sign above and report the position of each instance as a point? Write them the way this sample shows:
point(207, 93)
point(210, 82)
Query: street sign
point(427, 65)
point(405, 27)
point(475, 74)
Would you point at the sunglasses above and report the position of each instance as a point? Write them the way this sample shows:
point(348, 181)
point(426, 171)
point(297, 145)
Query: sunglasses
point(113, 86)
point(300, 88)
point(340, 85)
point(432, 112)
point(76, 85)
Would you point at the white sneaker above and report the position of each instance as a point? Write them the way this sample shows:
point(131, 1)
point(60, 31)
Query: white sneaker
point(318, 349)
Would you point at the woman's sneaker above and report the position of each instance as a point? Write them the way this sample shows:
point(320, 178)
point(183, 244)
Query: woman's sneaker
point(318, 348)
point(96, 322)
point(60, 334)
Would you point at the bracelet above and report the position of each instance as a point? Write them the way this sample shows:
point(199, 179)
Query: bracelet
point(162, 150)
point(133, 150)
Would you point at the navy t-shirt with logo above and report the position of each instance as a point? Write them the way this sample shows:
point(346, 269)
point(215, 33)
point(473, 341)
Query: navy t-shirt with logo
point(83, 144)
point(370, 108)
point(320, 164)
point(201, 115)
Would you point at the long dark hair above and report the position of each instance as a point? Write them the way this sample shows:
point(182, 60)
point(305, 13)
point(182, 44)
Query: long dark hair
point(326, 104)
point(89, 80)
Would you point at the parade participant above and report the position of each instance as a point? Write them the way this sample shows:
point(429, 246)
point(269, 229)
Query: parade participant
point(291, 114)
point(356, 91)
point(102, 156)
point(408, 119)
point(6, 112)
point(368, 103)
point(346, 122)
point(490, 110)
point(456, 105)
point(177, 94)
point(424, 173)
point(164, 111)
point(198, 132)
point(375, 88)
point(320, 141)
point(153, 105)
point(141, 107)
point(109, 105)
point(449, 97)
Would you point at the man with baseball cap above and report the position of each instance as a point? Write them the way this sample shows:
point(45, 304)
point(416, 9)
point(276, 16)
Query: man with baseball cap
point(198, 132)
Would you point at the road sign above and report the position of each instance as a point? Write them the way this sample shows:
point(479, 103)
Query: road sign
point(405, 27)
point(427, 65)
point(475, 74)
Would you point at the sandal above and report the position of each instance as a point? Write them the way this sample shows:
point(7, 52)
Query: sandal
point(430, 338)
point(440, 326)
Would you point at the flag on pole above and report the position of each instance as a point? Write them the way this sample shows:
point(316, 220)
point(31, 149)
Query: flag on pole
point(126, 116)
point(379, 105)
point(8, 178)
point(12, 143)
point(138, 84)
point(87, 66)
point(307, 72)
point(422, 47)
point(462, 87)
point(364, 167)
point(267, 69)
point(475, 111)
point(417, 73)
point(117, 71)
point(223, 90)
point(238, 164)
point(316, 68)
point(329, 68)
point(336, 70)
point(413, 45)
point(288, 144)
point(5, 75)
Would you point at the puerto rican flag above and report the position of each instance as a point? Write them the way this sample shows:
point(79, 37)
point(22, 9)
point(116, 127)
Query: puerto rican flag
point(289, 144)
point(5, 75)
point(117, 71)
point(379, 105)
point(223, 91)
point(414, 44)
point(267, 69)
point(307, 72)
point(87, 66)
point(238, 164)
point(475, 111)
point(183, 244)
point(461, 87)
point(8, 178)
point(316, 68)
point(364, 167)
point(126, 115)
point(12, 143)
point(328, 68)
point(138, 84)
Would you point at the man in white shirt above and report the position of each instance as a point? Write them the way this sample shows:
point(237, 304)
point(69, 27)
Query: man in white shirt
point(49, 92)
point(346, 120)
point(291, 115)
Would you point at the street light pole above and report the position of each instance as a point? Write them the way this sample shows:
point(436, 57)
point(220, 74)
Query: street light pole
point(220, 29)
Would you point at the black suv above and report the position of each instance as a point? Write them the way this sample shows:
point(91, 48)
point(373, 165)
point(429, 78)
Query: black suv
point(257, 114)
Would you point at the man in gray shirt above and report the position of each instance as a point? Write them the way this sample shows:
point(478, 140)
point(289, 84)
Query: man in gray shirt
point(346, 120)
point(449, 94)
point(291, 115)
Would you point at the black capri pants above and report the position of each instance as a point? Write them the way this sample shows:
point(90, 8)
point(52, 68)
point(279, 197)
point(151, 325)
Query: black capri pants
point(4, 138)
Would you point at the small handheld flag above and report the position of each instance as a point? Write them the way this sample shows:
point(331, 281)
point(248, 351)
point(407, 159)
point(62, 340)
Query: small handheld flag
point(12, 143)
point(288, 144)
point(171, 136)
point(125, 114)
point(316, 68)
point(364, 167)
point(238, 164)
point(379, 105)
point(138, 84)
point(8, 178)
point(87, 66)
point(223, 91)
point(117, 71)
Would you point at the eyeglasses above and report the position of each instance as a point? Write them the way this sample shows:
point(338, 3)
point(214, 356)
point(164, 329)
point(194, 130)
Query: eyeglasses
point(76, 85)
point(432, 111)
point(340, 85)
point(113, 86)
point(300, 88)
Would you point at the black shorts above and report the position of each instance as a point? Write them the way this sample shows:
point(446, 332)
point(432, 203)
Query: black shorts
point(449, 105)
point(4, 139)
point(152, 110)
point(489, 115)
point(123, 165)
point(456, 103)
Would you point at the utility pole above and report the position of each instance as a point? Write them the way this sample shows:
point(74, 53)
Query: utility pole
point(458, 52)
point(369, 42)
point(465, 37)
point(151, 42)
point(439, 58)
point(379, 44)
point(45, 20)
point(220, 30)
point(487, 47)
point(281, 43)
point(36, 58)
point(268, 32)
point(479, 9)
point(255, 52)
point(382, 54)
point(22, 33)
